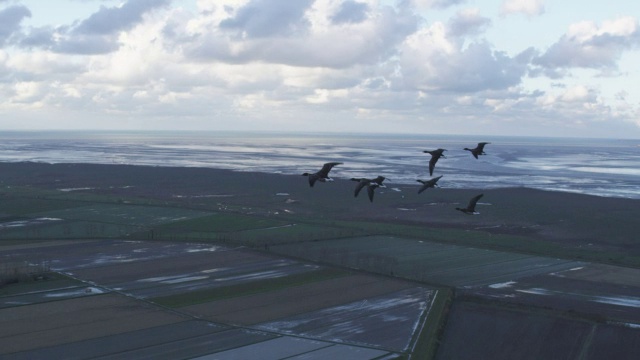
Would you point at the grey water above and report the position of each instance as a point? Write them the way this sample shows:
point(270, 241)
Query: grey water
point(603, 167)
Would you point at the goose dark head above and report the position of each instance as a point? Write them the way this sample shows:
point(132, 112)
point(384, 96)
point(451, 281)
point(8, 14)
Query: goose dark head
point(379, 181)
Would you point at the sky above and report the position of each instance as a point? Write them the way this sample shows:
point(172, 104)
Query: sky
point(483, 67)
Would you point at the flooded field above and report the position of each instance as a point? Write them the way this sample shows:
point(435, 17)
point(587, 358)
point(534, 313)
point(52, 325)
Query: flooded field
point(112, 313)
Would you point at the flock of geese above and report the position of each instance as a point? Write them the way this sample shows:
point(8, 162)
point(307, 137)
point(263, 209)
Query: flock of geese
point(323, 176)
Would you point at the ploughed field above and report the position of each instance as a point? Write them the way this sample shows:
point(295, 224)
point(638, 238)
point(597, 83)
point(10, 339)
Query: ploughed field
point(150, 261)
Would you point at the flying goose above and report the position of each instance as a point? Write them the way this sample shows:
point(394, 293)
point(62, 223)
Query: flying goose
point(428, 183)
point(322, 175)
point(362, 182)
point(478, 150)
point(471, 208)
point(371, 187)
point(435, 155)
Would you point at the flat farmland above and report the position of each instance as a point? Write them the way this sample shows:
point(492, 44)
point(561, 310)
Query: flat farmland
point(487, 332)
point(90, 221)
point(122, 214)
point(244, 230)
point(52, 323)
point(602, 290)
point(193, 275)
point(292, 272)
point(154, 269)
point(296, 348)
point(70, 255)
point(451, 265)
point(108, 309)
point(386, 321)
point(530, 295)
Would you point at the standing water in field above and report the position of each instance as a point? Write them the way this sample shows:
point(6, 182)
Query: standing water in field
point(604, 167)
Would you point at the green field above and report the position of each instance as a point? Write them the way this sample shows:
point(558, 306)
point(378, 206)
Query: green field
point(431, 262)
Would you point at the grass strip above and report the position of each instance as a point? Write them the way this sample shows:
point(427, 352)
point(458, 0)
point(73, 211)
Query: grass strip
point(429, 338)
point(249, 288)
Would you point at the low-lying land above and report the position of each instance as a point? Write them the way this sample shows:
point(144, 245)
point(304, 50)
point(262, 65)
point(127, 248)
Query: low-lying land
point(549, 262)
point(101, 201)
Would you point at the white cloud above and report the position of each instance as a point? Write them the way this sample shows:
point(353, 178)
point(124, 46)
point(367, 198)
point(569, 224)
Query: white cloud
point(319, 41)
point(436, 4)
point(97, 34)
point(27, 92)
point(526, 7)
point(578, 94)
point(431, 61)
point(588, 45)
point(468, 22)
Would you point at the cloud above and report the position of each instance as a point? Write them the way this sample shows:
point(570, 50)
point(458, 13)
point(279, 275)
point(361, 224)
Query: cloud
point(467, 22)
point(266, 18)
point(526, 7)
point(109, 21)
point(431, 61)
point(350, 12)
point(97, 34)
point(86, 45)
point(435, 4)
point(10, 19)
point(259, 64)
point(587, 45)
point(27, 92)
point(38, 37)
point(323, 44)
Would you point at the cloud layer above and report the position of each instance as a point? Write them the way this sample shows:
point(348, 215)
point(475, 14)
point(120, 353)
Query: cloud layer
point(354, 65)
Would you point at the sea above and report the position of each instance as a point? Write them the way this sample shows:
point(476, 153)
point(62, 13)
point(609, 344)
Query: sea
point(602, 167)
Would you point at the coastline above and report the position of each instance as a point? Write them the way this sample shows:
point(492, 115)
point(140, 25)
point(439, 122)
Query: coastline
point(604, 167)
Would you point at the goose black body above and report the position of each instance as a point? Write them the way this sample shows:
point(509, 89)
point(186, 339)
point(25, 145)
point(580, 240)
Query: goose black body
point(428, 183)
point(362, 182)
point(471, 207)
point(435, 155)
point(478, 150)
point(322, 175)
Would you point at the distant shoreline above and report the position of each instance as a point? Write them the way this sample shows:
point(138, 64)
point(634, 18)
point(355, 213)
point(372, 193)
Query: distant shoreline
point(603, 167)
point(339, 134)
